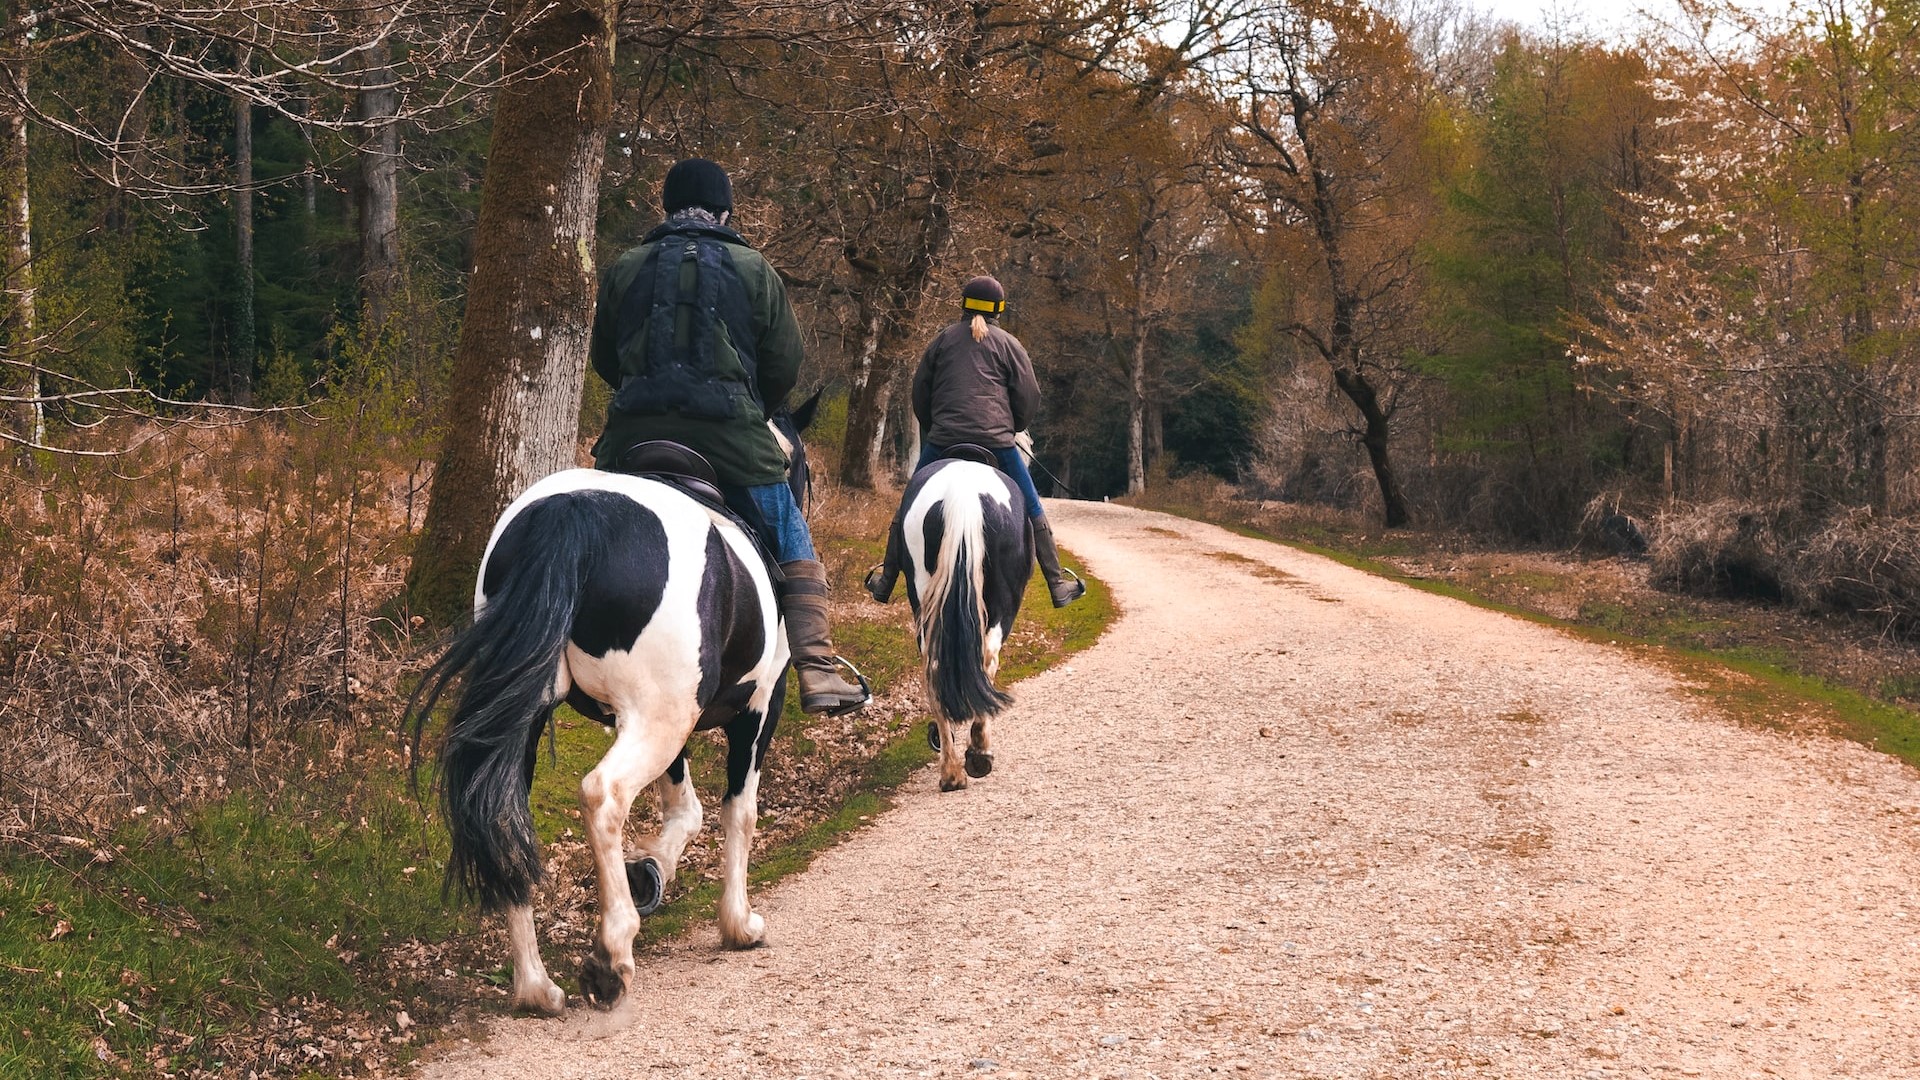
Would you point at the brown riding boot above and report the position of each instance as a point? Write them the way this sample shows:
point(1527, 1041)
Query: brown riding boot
point(803, 604)
point(1063, 584)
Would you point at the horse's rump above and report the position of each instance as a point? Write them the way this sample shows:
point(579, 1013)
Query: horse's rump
point(964, 533)
point(613, 591)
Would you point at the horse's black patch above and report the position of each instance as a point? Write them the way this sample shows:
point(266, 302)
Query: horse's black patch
point(588, 707)
point(933, 528)
point(624, 586)
point(731, 635)
point(744, 749)
point(1009, 558)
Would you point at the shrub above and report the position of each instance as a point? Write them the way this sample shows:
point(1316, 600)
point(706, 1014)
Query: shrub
point(1859, 563)
point(1722, 548)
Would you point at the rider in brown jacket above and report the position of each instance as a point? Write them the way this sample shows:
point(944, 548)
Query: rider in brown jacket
point(975, 385)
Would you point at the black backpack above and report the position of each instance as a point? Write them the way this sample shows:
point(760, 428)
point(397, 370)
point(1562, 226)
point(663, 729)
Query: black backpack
point(668, 330)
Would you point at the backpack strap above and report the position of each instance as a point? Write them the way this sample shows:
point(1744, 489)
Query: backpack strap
point(689, 275)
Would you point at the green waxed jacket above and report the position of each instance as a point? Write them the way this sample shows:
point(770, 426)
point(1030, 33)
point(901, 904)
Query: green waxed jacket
point(741, 448)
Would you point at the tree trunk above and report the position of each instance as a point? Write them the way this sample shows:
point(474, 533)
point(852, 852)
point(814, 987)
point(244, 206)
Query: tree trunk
point(872, 389)
point(1360, 391)
point(240, 361)
point(881, 362)
point(379, 201)
point(914, 438)
point(513, 411)
point(885, 355)
point(858, 441)
point(1137, 416)
point(26, 422)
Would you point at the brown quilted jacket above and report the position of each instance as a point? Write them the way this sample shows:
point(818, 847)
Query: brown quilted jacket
point(968, 391)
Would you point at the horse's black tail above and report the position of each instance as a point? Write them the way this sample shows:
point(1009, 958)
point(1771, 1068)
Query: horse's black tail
point(510, 658)
point(953, 617)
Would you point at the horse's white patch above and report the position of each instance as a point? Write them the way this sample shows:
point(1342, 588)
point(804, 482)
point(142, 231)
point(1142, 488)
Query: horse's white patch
point(532, 987)
point(739, 925)
point(962, 478)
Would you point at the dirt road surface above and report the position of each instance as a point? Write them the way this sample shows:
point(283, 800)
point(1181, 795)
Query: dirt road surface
point(1290, 820)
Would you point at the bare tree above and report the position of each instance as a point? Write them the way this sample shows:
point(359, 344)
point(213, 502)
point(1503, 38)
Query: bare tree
point(1327, 141)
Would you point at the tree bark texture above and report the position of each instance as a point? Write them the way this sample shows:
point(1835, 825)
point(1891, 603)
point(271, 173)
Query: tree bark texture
point(514, 401)
point(882, 360)
point(379, 194)
point(1360, 391)
point(895, 295)
point(239, 388)
point(1137, 415)
point(28, 421)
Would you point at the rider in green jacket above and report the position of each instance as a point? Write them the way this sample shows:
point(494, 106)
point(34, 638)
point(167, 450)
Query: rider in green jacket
point(694, 333)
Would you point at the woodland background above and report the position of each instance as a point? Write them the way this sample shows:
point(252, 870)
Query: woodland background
point(296, 291)
point(1401, 260)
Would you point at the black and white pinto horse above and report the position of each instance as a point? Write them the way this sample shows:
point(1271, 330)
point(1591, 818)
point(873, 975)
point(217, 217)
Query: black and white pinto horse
point(968, 556)
point(651, 613)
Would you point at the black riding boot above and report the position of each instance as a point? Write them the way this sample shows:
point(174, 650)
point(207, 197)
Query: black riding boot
point(803, 604)
point(881, 579)
point(1063, 584)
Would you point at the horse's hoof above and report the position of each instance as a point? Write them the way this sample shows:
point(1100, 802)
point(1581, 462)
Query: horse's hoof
point(599, 983)
point(751, 936)
point(549, 1000)
point(979, 763)
point(933, 734)
point(955, 784)
point(647, 883)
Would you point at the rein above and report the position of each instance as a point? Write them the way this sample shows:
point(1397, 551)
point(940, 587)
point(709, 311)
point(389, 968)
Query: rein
point(1034, 460)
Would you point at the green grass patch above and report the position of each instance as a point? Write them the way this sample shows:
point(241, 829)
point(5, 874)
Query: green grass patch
point(177, 936)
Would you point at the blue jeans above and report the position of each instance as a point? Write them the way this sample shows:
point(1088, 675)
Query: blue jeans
point(786, 528)
point(1011, 463)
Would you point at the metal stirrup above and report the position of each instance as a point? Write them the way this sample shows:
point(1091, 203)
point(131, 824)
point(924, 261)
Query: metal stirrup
point(866, 689)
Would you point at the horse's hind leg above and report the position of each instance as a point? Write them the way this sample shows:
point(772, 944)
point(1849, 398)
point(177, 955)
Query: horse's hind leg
point(680, 817)
point(643, 748)
point(979, 758)
point(533, 990)
point(747, 738)
point(953, 740)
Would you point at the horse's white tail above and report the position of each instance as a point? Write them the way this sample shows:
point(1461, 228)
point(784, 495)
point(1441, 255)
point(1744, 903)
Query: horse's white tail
point(953, 616)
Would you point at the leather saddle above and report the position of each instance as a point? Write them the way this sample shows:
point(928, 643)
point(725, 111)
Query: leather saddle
point(969, 452)
point(675, 464)
point(686, 469)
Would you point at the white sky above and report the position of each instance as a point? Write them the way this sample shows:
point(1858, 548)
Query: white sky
point(1605, 18)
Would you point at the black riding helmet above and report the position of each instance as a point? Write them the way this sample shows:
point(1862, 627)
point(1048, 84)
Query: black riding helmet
point(983, 296)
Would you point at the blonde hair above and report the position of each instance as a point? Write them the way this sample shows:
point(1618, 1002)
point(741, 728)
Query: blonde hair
point(979, 328)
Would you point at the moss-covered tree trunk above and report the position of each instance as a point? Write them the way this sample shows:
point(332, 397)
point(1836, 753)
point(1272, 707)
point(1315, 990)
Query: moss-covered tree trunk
point(514, 404)
point(20, 374)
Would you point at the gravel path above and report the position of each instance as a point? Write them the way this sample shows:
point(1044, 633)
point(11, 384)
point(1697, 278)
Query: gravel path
point(1288, 819)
